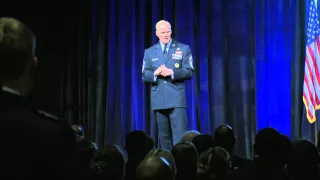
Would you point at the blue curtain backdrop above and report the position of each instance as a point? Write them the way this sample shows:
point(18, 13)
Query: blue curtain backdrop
point(247, 54)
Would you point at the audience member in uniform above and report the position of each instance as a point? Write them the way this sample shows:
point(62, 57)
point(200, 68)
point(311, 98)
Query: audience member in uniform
point(35, 144)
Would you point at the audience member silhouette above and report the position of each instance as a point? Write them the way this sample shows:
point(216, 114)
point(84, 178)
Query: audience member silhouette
point(137, 148)
point(108, 163)
point(186, 158)
point(189, 136)
point(225, 138)
point(265, 164)
point(167, 155)
point(303, 163)
point(35, 144)
point(203, 142)
point(154, 168)
point(285, 147)
point(85, 152)
point(214, 164)
point(150, 143)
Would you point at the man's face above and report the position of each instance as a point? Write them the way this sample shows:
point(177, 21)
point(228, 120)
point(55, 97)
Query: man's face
point(164, 33)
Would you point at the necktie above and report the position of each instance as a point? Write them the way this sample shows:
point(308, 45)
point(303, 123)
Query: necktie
point(165, 51)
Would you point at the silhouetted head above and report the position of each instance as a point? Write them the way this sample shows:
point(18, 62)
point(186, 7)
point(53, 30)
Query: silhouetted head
point(109, 163)
point(150, 143)
point(186, 158)
point(136, 144)
point(224, 137)
point(154, 168)
point(165, 154)
point(189, 136)
point(267, 143)
point(17, 55)
point(203, 142)
point(285, 149)
point(214, 163)
point(303, 162)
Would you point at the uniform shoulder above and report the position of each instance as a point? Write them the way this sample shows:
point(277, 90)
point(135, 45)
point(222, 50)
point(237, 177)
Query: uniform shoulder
point(152, 47)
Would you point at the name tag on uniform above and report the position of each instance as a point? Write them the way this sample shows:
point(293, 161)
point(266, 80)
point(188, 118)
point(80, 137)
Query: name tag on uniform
point(154, 59)
point(177, 56)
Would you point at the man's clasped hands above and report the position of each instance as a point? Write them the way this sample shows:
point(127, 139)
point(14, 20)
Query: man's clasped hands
point(163, 71)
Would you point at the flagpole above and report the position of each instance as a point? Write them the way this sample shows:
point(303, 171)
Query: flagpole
point(316, 122)
point(316, 131)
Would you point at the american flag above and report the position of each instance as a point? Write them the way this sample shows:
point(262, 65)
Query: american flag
point(311, 84)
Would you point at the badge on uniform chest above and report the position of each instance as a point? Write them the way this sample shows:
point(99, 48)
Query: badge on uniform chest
point(177, 55)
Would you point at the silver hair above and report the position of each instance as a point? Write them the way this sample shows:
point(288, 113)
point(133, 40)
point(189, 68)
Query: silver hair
point(161, 22)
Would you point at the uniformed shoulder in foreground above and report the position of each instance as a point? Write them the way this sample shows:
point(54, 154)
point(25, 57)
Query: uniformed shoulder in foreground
point(47, 116)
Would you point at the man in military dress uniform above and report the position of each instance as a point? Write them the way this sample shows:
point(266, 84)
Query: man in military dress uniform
point(34, 144)
point(166, 65)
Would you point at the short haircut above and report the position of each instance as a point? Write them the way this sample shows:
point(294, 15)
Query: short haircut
point(214, 162)
point(166, 155)
point(189, 136)
point(162, 22)
point(154, 168)
point(17, 48)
